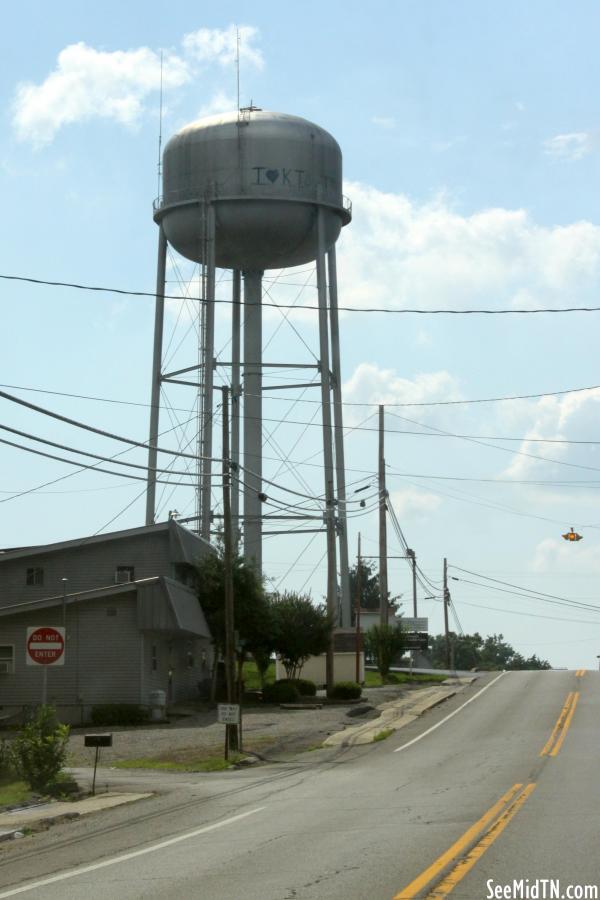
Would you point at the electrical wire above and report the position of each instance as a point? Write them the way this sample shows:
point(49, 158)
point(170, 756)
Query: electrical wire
point(351, 309)
point(100, 431)
point(393, 405)
point(510, 584)
point(514, 612)
point(130, 465)
point(572, 604)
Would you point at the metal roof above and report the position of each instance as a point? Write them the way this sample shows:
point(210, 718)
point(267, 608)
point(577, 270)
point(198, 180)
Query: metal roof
point(180, 535)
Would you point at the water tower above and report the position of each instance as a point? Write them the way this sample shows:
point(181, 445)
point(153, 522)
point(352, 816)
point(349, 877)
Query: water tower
point(250, 191)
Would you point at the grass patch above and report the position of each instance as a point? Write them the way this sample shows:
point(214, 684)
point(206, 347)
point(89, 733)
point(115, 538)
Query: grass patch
point(251, 676)
point(382, 735)
point(373, 679)
point(208, 764)
point(13, 791)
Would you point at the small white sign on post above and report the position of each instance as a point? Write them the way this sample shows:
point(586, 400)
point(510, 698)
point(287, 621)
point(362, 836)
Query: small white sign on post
point(228, 713)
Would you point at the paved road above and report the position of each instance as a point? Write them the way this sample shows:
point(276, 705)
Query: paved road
point(385, 821)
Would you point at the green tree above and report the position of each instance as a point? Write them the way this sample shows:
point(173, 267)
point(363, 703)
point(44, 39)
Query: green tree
point(253, 620)
point(384, 643)
point(369, 585)
point(370, 595)
point(301, 629)
point(473, 651)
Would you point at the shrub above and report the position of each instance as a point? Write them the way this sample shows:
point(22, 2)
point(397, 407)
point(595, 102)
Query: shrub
point(346, 690)
point(5, 757)
point(281, 692)
point(39, 752)
point(119, 714)
point(306, 687)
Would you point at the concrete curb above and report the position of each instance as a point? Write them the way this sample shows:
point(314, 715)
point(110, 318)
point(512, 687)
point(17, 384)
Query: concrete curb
point(47, 814)
point(394, 715)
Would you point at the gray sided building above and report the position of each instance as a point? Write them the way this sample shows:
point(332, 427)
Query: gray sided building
point(133, 621)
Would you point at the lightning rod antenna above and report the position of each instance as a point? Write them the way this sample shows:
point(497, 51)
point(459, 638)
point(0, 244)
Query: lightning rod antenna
point(237, 63)
point(160, 123)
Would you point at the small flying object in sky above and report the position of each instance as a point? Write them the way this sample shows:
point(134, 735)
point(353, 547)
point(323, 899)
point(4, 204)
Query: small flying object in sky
point(572, 535)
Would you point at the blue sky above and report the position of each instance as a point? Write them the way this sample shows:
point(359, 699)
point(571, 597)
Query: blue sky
point(470, 140)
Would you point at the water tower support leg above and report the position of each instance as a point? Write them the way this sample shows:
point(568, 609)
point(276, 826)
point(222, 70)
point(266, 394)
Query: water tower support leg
point(156, 375)
point(207, 368)
point(252, 476)
point(338, 419)
point(236, 314)
point(327, 438)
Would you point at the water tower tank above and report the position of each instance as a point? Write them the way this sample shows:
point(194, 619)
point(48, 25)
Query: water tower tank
point(264, 173)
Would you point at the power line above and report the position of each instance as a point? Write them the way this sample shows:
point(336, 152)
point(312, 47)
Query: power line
point(539, 482)
point(514, 612)
point(510, 584)
point(433, 432)
point(74, 462)
point(100, 431)
point(572, 604)
point(480, 443)
point(352, 309)
point(129, 465)
point(578, 390)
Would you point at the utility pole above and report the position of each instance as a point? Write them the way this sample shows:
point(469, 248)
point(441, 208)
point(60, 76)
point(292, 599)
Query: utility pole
point(357, 608)
point(383, 573)
point(413, 558)
point(446, 605)
point(231, 737)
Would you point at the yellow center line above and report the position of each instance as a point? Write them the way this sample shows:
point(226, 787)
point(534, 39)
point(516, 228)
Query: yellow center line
point(566, 725)
point(465, 865)
point(580, 673)
point(559, 724)
point(412, 889)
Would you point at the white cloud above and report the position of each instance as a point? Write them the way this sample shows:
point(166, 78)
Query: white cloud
point(209, 45)
point(384, 121)
point(413, 503)
point(572, 147)
point(88, 83)
point(571, 417)
point(556, 555)
point(220, 102)
point(370, 384)
point(397, 253)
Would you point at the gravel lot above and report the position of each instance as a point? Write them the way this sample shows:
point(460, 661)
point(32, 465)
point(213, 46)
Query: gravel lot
point(267, 730)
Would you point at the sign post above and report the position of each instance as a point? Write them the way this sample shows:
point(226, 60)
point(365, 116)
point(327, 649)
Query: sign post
point(45, 646)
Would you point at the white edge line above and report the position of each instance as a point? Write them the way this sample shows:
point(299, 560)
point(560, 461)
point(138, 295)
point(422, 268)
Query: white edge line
point(81, 870)
point(437, 725)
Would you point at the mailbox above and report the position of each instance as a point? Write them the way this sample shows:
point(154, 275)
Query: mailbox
point(98, 740)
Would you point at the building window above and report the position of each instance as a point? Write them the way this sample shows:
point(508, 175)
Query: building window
point(7, 659)
point(124, 574)
point(189, 655)
point(34, 576)
point(154, 658)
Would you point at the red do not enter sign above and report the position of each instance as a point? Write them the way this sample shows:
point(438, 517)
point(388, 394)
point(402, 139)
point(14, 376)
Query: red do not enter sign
point(45, 646)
